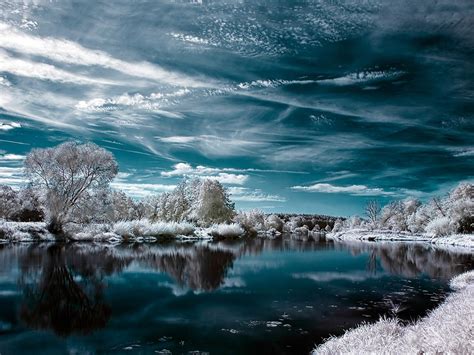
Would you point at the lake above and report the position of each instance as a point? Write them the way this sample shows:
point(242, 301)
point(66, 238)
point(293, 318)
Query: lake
point(257, 296)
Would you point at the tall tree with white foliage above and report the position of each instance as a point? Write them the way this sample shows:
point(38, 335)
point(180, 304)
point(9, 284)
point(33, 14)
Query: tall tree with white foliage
point(66, 173)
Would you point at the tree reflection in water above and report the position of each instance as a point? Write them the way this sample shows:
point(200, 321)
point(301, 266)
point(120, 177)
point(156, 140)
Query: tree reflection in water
point(63, 284)
point(59, 300)
point(410, 259)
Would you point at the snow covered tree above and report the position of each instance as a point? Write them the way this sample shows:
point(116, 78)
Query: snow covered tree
point(9, 202)
point(460, 205)
point(372, 210)
point(120, 206)
point(252, 221)
point(152, 207)
point(211, 203)
point(66, 173)
point(201, 201)
point(31, 208)
point(352, 222)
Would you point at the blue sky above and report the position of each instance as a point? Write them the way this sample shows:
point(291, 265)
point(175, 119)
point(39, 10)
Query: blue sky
point(297, 106)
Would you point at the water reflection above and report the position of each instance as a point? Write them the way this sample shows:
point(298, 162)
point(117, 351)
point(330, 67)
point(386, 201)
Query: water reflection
point(63, 284)
point(55, 298)
point(411, 260)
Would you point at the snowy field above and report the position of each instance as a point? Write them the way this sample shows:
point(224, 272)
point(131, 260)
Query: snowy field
point(449, 329)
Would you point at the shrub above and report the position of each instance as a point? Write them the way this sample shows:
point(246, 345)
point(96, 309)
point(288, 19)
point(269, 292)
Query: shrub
point(233, 230)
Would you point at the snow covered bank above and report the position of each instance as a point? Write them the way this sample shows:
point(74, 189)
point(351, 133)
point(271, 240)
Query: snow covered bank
point(448, 329)
point(24, 232)
point(458, 240)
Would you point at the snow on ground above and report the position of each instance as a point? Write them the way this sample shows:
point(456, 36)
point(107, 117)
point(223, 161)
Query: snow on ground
point(457, 240)
point(449, 329)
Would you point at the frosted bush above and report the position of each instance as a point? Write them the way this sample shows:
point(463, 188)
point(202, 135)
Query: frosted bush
point(338, 226)
point(273, 222)
point(252, 221)
point(441, 226)
point(141, 228)
point(233, 230)
point(168, 228)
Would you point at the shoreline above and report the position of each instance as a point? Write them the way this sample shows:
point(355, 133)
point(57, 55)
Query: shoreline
point(465, 241)
point(143, 232)
point(446, 329)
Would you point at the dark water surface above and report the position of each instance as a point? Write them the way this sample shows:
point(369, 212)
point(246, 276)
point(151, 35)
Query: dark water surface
point(258, 296)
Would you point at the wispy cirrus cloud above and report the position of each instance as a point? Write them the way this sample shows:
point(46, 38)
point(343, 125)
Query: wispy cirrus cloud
point(42, 71)
point(245, 194)
point(185, 169)
point(9, 126)
point(355, 190)
point(69, 52)
point(217, 146)
point(11, 175)
point(11, 157)
point(223, 175)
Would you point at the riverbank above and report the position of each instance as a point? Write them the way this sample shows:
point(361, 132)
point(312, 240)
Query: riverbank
point(448, 329)
point(146, 231)
point(454, 240)
point(129, 231)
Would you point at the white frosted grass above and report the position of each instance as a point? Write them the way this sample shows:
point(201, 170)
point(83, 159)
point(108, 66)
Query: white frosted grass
point(144, 228)
point(233, 230)
point(138, 230)
point(449, 329)
point(459, 240)
point(463, 281)
point(24, 232)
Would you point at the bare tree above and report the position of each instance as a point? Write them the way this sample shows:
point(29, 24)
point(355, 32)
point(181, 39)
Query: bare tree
point(66, 173)
point(372, 210)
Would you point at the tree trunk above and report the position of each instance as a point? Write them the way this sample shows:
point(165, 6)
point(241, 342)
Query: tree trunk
point(55, 226)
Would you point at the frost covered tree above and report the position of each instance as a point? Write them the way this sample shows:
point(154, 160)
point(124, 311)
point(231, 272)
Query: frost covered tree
point(22, 206)
point(460, 204)
point(202, 201)
point(399, 215)
point(152, 207)
point(103, 206)
point(9, 202)
point(31, 208)
point(120, 206)
point(174, 206)
point(372, 210)
point(252, 221)
point(211, 203)
point(66, 173)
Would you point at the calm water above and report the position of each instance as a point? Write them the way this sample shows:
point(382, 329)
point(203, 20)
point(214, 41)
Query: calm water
point(259, 296)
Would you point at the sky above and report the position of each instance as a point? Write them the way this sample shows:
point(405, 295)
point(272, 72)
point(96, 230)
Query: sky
point(295, 106)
